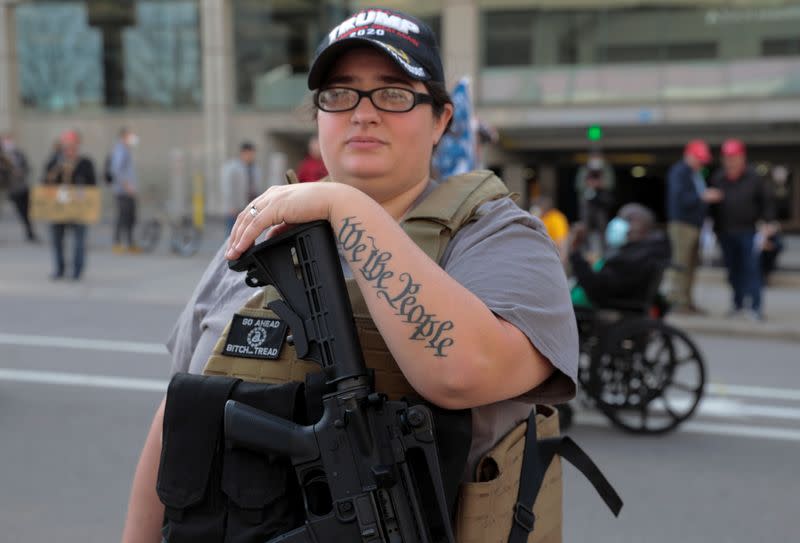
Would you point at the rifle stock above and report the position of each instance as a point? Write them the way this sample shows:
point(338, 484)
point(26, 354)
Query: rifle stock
point(369, 468)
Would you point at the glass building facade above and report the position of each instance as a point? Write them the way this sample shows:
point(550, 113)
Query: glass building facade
point(274, 43)
point(203, 75)
point(650, 33)
point(146, 54)
point(98, 54)
point(572, 52)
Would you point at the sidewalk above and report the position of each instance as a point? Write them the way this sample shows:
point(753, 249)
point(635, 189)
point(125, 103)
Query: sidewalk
point(781, 302)
point(781, 307)
point(159, 277)
point(162, 277)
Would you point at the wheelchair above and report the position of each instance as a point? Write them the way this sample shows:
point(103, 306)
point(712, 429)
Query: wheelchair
point(643, 374)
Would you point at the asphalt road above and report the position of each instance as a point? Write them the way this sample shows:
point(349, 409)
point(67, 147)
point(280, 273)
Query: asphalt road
point(82, 370)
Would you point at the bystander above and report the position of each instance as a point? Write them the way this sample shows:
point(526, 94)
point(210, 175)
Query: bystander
point(14, 171)
point(69, 168)
point(637, 256)
point(745, 206)
point(241, 182)
point(554, 221)
point(125, 186)
point(312, 168)
point(594, 185)
point(687, 200)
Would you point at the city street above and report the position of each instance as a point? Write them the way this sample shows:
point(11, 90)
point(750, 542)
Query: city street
point(82, 368)
point(159, 125)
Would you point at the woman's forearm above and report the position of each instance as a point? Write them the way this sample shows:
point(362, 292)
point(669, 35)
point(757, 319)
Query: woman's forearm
point(451, 347)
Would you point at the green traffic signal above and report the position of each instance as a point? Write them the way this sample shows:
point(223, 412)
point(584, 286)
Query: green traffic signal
point(594, 133)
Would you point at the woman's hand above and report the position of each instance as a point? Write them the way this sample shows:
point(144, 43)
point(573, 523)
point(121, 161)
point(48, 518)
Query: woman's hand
point(281, 206)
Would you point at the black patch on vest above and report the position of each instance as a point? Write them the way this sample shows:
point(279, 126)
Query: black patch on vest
point(255, 337)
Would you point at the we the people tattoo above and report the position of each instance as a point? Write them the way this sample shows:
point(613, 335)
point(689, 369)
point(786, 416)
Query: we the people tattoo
point(373, 265)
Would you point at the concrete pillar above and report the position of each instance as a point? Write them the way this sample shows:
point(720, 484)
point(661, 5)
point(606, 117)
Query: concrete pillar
point(218, 93)
point(514, 177)
point(460, 41)
point(794, 183)
point(9, 92)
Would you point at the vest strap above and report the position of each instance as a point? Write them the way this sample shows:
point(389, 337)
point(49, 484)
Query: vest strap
point(535, 461)
point(448, 207)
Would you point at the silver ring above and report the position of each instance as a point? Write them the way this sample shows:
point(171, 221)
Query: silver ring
point(253, 211)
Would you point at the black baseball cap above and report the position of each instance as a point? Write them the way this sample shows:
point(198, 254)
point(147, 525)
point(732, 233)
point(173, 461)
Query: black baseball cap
point(405, 39)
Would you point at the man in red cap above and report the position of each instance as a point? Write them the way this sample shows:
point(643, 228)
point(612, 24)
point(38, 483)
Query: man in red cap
point(746, 206)
point(69, 167)
point(687, 200)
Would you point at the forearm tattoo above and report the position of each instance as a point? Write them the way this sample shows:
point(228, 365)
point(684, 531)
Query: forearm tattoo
point(373, 264)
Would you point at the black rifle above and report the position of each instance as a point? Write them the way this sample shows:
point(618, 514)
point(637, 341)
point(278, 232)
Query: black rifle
point(369, 468)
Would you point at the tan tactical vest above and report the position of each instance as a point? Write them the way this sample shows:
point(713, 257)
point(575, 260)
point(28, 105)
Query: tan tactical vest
point(431, 225)
point(485, 509)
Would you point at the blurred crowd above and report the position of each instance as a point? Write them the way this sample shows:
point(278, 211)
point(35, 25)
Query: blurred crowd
point(608, 256)
point(629, 256)
point(67, 170)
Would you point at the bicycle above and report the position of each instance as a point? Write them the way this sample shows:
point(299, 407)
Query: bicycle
point(184, 235)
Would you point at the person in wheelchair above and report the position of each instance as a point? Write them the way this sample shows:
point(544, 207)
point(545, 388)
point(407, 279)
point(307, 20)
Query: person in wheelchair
point(627, 276)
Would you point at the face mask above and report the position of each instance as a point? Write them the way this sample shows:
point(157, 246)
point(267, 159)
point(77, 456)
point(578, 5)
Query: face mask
point(617, 232)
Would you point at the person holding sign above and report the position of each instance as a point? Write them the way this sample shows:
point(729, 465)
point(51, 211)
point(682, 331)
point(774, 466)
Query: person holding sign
point(69, 169)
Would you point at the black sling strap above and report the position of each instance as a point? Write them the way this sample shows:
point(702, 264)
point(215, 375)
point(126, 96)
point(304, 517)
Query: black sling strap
point(535, 461)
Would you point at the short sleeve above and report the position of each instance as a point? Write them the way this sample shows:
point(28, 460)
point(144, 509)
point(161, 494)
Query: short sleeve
point(507, 259)
point(185, 334)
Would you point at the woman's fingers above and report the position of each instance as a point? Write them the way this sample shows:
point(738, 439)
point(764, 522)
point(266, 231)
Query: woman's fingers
point(247, 228)
point(238, 227)
point(278, 229)
point(292, 204)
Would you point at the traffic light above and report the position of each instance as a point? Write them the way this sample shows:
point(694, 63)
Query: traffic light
point(594, 133)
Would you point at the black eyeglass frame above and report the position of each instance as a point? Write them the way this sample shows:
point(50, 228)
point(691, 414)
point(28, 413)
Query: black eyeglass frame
point(419, 98)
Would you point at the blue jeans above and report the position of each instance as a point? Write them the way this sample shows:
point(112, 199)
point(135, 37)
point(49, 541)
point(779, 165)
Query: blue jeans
point(79, 238)
point(744, 274)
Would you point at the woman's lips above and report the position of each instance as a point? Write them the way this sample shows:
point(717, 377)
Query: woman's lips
point(364, 143)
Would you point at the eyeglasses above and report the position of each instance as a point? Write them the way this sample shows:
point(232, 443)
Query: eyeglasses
point(391, 99)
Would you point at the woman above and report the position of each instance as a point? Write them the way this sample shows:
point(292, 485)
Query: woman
point(505, 330)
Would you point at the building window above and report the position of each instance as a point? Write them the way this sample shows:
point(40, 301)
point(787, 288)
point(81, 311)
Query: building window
point(95, 54)
point(780, 47)
point(666, 52)
point(509, 38)
point(574, 33)
point(274, 44)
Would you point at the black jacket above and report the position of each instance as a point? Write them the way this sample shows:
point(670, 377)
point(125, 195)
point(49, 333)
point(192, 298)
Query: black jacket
point(626, 275)
point(747, 200)
point(83, 173)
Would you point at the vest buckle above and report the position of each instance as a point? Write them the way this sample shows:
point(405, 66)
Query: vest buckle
point(524, 517)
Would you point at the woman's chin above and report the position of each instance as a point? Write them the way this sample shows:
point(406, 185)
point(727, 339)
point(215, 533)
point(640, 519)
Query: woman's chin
point(364, 170)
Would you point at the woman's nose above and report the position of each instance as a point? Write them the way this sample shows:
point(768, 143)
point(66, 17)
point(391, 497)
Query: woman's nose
point(365, 112)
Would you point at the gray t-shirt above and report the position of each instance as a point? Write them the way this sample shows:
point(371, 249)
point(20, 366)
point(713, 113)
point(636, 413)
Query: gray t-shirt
point(505, 258)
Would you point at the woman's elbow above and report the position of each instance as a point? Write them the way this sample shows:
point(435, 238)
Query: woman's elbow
point(461, 386)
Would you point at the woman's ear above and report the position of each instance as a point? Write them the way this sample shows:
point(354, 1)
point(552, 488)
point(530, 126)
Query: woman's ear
point(441, 122)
